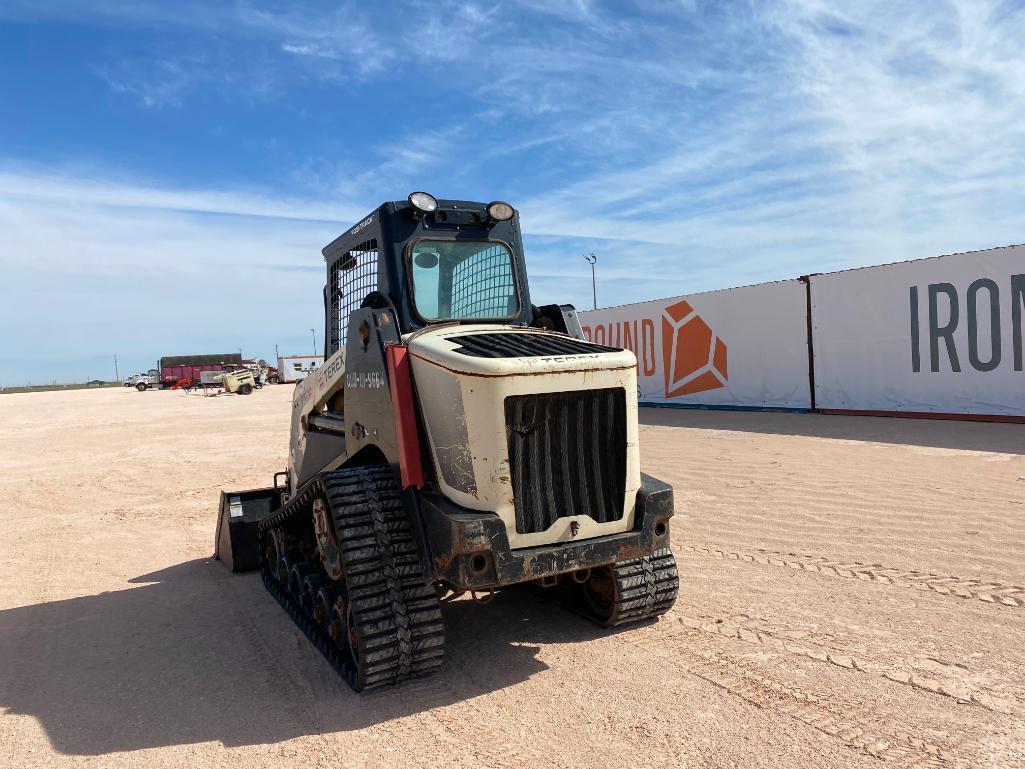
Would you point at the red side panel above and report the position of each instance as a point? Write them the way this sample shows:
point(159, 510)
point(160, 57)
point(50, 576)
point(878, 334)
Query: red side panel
point(400, 380)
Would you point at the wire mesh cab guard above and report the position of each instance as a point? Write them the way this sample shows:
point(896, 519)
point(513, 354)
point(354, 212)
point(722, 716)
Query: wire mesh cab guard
point(353, 276)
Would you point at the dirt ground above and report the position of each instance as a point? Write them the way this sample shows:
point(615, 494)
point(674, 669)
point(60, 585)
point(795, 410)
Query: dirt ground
point(851, 595)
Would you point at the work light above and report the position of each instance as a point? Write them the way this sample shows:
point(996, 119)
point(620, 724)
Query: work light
point(423, 202)
point(500, 211)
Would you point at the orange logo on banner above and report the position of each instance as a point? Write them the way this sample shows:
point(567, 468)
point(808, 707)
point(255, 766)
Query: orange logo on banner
point(693, 358)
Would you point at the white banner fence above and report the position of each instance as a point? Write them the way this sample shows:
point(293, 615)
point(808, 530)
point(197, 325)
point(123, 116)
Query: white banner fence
point(936, 336)
point(736, 348)
point(930, 337)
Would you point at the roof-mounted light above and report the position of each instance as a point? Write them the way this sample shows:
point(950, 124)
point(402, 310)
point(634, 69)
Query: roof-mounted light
point(500, 211)
point(423, 202)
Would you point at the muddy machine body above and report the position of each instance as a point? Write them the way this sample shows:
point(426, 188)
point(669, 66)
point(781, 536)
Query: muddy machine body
point(457, 438)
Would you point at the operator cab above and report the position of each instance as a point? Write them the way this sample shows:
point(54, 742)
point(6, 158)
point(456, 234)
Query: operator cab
point(434, 261)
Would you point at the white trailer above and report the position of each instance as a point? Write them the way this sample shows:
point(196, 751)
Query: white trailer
point(295, 368)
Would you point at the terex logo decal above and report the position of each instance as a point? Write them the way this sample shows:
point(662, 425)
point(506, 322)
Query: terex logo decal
point(693, 358)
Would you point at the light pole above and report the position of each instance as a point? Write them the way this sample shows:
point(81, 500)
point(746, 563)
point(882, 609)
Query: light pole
point(313, 331)
point(591, 258)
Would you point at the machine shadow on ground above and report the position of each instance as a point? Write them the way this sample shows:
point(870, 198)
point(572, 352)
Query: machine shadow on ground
point(195, 654)
point(934, 433)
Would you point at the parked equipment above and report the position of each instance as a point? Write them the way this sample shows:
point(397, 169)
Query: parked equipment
point(131, 380)
point(261, 371)
point(142, 382)
point(456, 439)
point(182, 371)
point(177, 367)
point(235, 379)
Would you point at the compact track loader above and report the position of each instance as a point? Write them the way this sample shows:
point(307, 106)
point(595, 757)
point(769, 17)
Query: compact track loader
point(456, 439)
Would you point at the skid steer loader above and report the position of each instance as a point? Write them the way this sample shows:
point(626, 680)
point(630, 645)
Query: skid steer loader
point(456, 439)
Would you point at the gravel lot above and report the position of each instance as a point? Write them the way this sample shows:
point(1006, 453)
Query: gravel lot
point(852, 595)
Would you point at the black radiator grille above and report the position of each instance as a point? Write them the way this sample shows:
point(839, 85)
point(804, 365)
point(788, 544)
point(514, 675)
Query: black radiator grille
point(567, 456)
point(524, 345)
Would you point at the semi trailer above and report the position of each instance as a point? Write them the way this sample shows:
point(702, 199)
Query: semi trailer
point(172, 369)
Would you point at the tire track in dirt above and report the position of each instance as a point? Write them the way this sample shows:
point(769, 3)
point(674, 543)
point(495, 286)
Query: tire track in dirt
point(310, 698)
point(856, 725)
point(947, 680)
point(278, 673)
point(763, 527)
point(992, 592)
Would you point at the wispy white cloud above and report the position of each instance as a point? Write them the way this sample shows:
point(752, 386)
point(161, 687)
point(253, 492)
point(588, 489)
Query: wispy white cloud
point(231, 45)
point(99, 13)
point(901, 90)
point(887, 133)
point(338, 34)
point(85, 189)
point(156, 83)
point(694, 146)
point(136, 270)
point(452, 31)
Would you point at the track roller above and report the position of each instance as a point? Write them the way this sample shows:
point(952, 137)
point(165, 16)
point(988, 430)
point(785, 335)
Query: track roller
point(296, 576)
point(308, 592)
point(323, 602)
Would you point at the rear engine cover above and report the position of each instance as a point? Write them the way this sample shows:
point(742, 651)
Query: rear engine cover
point(538, 427)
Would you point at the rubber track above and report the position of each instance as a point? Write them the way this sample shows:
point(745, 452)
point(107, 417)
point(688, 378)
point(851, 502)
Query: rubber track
point(397, 615)
point(646, 587)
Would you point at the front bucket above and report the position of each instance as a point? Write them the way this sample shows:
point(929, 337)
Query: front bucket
point(237, 542)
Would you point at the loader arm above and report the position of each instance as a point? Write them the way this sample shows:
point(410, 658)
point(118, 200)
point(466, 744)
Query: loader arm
point(317, 440)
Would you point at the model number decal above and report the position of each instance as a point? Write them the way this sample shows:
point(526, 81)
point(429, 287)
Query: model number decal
point(365, 380)
point(362, 225)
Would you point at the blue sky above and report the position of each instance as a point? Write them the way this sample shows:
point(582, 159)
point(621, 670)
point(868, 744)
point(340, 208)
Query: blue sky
point(170, 171)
